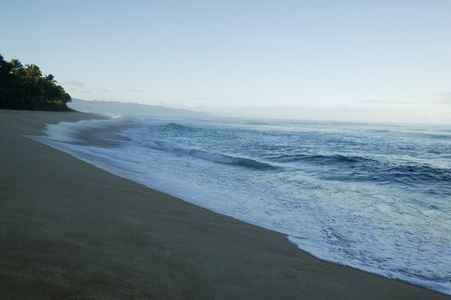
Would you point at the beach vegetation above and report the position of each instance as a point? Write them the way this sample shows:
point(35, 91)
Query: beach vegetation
point(26, 88)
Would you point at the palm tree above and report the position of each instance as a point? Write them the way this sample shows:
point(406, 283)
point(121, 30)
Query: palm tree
point(26, 88)
point(51, 78)
point(32, 71)
point(16, 66)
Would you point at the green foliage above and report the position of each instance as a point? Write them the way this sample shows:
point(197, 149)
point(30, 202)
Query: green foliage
point(26, 88)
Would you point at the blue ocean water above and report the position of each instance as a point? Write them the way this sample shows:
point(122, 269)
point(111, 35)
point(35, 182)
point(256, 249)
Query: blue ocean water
point(376, 197)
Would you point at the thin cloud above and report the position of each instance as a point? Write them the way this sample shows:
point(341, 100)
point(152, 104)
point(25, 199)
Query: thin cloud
point(443, 97)
point(76, 83)
point(135, 91)
point(269, 40)
point(375, 101)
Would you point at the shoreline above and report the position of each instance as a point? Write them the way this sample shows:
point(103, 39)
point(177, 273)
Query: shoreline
point(70, 229)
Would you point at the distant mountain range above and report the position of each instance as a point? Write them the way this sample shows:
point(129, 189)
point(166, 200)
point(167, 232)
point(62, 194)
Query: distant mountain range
point(132, 109)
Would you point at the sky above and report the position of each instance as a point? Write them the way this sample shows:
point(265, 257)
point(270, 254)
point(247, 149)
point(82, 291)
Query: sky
point(380, 61)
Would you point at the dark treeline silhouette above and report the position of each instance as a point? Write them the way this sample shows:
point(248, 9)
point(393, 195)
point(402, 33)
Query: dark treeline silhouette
point(26, 88)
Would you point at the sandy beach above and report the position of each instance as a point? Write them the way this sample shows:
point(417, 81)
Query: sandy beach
point(71, 231)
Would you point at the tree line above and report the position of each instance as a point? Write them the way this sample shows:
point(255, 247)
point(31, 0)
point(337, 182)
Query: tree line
point(25, 88)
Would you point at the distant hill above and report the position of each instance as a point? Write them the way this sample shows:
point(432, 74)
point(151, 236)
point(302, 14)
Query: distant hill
point(132, 109)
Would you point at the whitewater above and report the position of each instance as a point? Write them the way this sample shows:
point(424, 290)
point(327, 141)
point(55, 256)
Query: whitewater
point(376, 197)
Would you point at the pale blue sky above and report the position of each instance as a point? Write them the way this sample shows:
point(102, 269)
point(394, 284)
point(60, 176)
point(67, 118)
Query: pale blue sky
point(345, 60)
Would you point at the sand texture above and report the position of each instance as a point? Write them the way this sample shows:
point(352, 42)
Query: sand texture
point(71, 231)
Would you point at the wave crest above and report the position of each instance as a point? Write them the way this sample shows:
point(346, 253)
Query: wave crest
point(210, 156)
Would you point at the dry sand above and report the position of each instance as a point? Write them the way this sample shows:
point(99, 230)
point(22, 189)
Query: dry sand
point(71, 231)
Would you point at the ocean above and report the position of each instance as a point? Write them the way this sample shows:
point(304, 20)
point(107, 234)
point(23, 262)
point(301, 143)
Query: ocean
point(376, 197)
